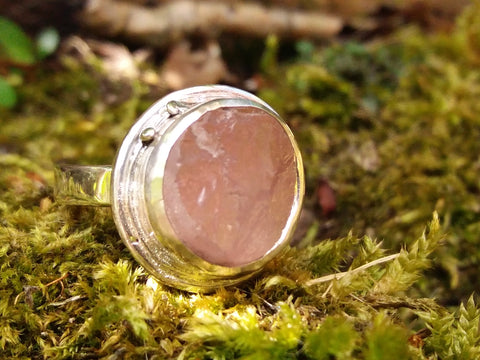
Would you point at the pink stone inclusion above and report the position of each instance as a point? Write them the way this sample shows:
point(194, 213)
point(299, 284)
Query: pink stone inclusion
point(229, 185)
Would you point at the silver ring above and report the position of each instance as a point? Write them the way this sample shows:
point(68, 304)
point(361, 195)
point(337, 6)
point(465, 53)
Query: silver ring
point(206, 187)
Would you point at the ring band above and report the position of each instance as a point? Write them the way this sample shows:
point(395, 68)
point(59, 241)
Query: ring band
point(206, 187)
point(83, 185)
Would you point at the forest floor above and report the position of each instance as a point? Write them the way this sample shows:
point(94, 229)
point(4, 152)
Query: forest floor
point(386, 257)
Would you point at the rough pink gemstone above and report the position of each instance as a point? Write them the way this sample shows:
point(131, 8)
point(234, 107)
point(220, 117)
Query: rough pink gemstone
point(229, 185)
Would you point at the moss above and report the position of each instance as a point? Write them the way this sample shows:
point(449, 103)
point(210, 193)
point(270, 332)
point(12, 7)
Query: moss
point(391, 126)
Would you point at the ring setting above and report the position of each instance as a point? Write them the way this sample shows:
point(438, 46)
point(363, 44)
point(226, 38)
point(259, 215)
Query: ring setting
point(205, 189)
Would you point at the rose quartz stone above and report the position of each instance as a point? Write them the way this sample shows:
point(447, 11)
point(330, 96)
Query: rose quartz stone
point(229, 185)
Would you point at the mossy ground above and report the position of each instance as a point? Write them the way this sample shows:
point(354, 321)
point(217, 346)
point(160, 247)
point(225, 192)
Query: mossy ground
point(392, 127)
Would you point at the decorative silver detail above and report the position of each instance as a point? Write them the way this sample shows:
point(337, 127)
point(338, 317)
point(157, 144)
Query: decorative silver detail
point(147, 135)
point(173, 108)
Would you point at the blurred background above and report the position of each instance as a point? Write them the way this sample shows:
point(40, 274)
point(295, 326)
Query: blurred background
point(198, 42)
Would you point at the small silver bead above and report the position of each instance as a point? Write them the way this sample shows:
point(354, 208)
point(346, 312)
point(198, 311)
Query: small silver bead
point(147, 135)
point(173, 108)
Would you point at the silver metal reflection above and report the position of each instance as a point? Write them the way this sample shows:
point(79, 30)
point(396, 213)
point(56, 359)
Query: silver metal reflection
point(133, 189)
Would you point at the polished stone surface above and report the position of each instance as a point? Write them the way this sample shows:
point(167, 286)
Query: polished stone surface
point(229, 185)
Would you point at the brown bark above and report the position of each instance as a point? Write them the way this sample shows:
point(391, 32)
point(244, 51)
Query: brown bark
point(170, 21)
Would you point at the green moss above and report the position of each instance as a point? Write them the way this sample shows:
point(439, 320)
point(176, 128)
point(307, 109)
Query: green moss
point(334, 338)
point(392, 127)
point(454, 336)
point(386, 340)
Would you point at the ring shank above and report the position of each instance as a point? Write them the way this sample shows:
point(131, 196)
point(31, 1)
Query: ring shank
point(83, 185)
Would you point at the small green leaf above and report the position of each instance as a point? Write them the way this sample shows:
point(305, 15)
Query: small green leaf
point(47, 42)
point(15, 45)
point(8, 95)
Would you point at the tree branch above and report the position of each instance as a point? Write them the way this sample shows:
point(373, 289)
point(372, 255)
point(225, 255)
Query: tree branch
point(173, 20)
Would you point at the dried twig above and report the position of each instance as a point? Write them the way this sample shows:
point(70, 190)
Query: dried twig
point(64, 276)
point(173, 20)
point(67, 301)
point(390, 302)
point(339, 275)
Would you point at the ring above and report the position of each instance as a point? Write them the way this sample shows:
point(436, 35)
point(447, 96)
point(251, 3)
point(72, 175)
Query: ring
point(205, 189)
